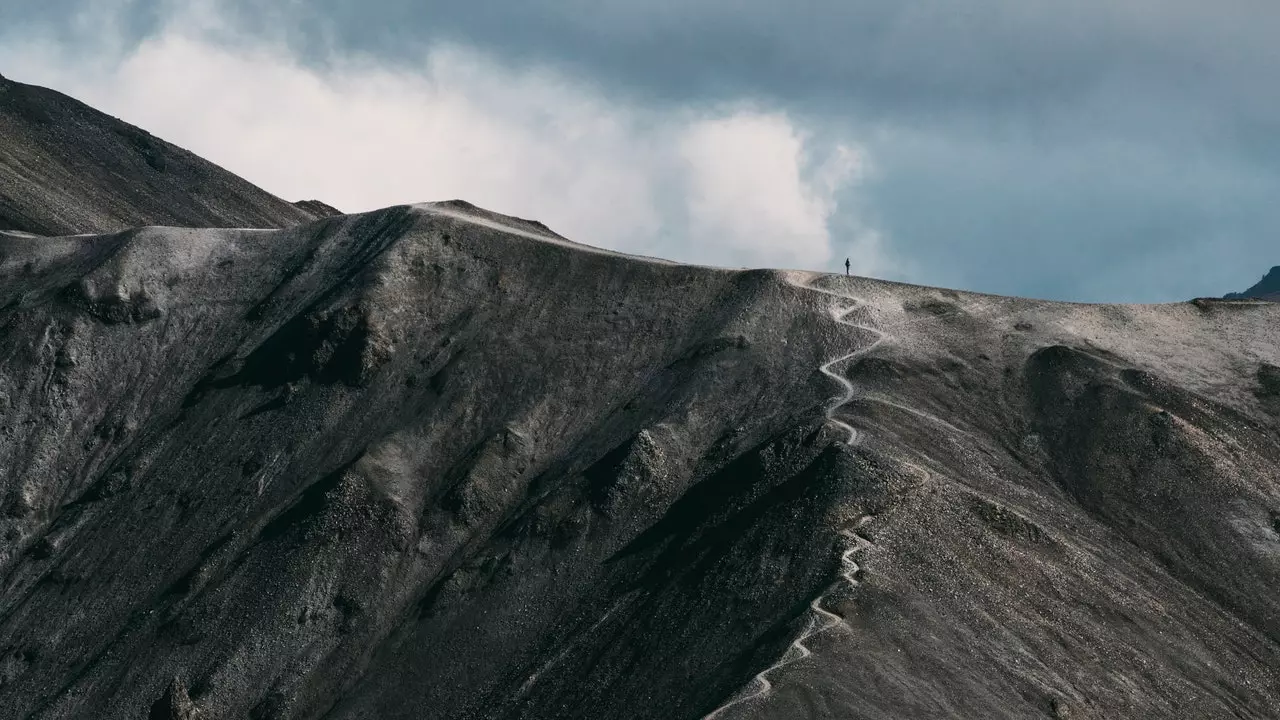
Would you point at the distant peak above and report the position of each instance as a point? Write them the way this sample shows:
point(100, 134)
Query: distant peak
point(68, 168)
point(1268, 287)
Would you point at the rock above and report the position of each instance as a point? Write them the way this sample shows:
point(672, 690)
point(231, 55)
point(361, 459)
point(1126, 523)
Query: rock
point(174, 704)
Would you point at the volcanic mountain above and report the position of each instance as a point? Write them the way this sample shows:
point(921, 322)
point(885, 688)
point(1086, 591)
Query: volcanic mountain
point(434, 461)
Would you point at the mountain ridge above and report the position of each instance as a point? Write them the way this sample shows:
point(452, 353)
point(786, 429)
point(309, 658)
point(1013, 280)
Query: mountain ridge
point(417, 444)
point(66, 168)
point(1268, 288)
point(433, 456)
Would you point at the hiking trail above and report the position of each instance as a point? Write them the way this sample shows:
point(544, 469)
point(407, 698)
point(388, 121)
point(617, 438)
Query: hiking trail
point(820, 619)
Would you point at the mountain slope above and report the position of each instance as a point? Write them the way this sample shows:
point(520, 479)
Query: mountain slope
point(1268, 288)
point(66, 168)
point(436, 458)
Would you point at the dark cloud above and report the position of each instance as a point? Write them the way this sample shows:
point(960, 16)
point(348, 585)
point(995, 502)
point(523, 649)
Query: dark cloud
point(924, 59)
point(1091, 150)
point(1107, 220)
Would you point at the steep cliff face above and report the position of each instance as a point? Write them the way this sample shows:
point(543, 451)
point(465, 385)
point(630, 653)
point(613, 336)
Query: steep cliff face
point(438, 461)
point(66, 168)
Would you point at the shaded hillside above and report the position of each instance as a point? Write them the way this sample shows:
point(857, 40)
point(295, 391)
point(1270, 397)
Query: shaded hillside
point(66, 168)
point(1268, 288)
point(435, 458)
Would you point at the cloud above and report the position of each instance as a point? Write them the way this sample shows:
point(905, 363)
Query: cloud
point(529, 141)
point(1100, 150)
point(748, 190)
point(923, 61)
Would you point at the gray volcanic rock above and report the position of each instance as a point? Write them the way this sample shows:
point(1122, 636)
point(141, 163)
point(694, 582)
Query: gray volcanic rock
point(66, 168)
point(318, 209)
point(175, 704)
point(433, 461)
point(1268, 288)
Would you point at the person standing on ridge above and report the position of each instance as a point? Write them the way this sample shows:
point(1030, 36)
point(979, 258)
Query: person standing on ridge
point(846, 266)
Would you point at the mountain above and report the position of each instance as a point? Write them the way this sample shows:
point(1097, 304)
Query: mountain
point(437, 461)
point(433, 457)
point(1268, 288)
point(66, 168)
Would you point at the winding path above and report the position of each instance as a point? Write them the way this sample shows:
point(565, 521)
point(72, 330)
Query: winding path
point(820, 619)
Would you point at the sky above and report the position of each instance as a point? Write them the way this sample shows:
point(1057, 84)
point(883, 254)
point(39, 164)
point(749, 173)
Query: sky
point(1096, 150)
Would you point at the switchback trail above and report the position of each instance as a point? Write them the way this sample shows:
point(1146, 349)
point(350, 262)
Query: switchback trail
point(820, 620)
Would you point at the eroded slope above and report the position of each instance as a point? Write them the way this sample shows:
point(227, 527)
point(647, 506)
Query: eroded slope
point(437, 458)
point(266, 461)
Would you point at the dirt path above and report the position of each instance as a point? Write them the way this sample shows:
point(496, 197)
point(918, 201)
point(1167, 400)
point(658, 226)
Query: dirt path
point(820, 620)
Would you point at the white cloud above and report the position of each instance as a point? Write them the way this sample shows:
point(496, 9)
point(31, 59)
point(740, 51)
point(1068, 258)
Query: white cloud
point(751, 193)
point(733, 187)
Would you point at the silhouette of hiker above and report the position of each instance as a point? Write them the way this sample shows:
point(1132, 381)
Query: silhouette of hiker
point(846, 266)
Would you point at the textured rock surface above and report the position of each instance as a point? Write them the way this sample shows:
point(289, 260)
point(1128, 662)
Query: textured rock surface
point(431, 461)
point(66, 168)
point(318, 209)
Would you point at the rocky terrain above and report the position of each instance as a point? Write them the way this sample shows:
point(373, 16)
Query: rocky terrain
point(433, 461)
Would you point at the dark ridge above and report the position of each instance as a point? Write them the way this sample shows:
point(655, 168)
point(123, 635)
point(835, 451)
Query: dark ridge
point(1268, 288)
point(318, 209)
point(70, 169)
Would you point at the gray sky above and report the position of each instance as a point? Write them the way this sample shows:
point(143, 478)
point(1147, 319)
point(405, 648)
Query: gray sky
point(1097, 150)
